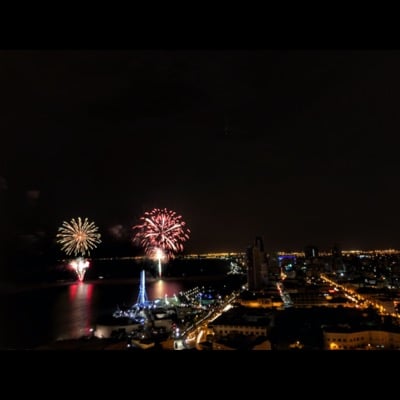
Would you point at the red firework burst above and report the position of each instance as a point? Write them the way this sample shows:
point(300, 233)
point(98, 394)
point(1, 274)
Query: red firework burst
point(162, 229)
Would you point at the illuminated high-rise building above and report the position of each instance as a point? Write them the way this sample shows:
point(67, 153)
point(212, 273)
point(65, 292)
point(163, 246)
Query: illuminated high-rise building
point(257, 266)
point(311, 252)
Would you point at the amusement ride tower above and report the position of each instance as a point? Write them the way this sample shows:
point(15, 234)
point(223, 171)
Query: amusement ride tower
point(142, 299)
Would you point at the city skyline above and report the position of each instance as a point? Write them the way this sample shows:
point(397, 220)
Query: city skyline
point(298, 147)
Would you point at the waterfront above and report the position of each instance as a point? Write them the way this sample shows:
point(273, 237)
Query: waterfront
point(35, 315)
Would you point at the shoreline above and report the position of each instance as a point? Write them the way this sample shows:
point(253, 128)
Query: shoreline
point(7, 288)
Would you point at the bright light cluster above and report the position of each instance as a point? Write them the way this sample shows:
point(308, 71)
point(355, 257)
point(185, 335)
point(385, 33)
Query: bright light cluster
point(77, 237)
point(80, 265)
point(161, 230)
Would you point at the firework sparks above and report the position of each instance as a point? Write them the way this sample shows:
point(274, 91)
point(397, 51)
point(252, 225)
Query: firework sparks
point(161, 229)
point(158, 255)
point(80, 266)
point(77, 237)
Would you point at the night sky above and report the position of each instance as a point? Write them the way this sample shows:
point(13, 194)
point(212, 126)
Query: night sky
point(300, 147)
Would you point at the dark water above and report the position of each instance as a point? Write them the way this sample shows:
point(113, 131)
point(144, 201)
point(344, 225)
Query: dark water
point(39, 315)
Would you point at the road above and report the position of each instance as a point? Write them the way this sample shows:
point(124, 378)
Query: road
point(197, 332)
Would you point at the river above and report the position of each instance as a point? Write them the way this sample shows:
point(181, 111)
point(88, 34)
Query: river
point(36, 315)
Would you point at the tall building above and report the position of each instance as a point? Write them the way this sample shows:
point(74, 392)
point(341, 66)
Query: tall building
point(257, 266)
point(337, 265)
point(311, 252)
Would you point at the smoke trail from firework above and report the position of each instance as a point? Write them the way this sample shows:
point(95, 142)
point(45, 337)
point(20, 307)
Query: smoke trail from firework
point(161, 229)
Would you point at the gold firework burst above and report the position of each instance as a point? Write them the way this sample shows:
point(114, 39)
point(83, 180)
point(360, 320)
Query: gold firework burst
point(77, 237)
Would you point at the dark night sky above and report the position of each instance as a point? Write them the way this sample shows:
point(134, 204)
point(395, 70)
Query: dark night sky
point(300, 147)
